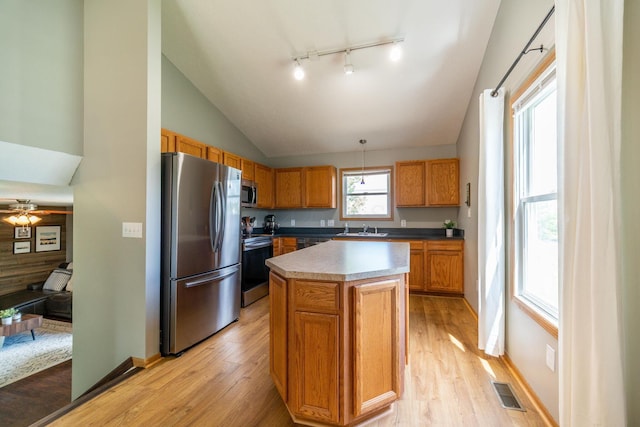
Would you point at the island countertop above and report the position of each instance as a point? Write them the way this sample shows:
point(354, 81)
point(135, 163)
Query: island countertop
point(343, 260)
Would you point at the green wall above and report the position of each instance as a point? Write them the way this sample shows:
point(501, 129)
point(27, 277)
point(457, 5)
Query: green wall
point(41, 74)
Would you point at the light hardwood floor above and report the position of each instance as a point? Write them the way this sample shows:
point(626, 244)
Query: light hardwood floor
point(224, 381)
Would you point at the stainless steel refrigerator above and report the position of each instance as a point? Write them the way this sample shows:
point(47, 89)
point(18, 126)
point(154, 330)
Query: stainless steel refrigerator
point(201, 250)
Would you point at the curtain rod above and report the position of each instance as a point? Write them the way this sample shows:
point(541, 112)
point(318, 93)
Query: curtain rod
point(525, 50)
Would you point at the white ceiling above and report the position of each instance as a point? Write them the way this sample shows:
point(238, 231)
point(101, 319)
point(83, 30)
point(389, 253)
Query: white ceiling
point(239, 55)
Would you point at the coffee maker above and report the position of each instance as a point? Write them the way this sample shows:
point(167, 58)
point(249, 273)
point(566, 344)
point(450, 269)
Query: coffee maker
point(270, 225)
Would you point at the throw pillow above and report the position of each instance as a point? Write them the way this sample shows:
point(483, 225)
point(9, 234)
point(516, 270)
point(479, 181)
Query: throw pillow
point(57, 280)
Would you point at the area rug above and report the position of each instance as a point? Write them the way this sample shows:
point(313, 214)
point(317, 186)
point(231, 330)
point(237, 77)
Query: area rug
point(20, 356)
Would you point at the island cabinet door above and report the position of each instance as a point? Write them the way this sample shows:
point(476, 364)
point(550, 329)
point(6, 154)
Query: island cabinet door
point(376, 349)
point(316, 360)
point(278, 333)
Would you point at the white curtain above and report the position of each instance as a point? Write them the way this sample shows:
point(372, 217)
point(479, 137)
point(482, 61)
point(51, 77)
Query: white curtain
point(491, 239)
point(589, 67)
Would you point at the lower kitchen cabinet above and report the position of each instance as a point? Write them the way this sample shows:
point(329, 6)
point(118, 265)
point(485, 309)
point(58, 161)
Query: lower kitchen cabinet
point(416, 262)
point(284, 245)
point(337, 349)
point(444, 266)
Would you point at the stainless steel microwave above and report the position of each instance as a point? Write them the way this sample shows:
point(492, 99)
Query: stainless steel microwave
point(249, 194)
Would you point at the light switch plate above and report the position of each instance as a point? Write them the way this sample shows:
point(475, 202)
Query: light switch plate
point(132, 229)
point(331, 223)
point(293, 222)
point(322, 223)
point(551, 358)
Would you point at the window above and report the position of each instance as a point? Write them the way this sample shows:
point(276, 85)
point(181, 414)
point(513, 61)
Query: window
point(535, 163)
point(366, 194)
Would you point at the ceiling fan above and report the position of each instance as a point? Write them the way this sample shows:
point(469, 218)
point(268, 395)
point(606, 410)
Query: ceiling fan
point(24, 213)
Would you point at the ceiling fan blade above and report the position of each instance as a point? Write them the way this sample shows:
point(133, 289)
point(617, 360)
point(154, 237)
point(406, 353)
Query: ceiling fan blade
point(50, 212)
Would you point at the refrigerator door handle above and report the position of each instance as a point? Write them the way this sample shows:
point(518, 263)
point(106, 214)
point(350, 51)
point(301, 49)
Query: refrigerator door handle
point(222, 214)
point(223, 274)
point(213, 218)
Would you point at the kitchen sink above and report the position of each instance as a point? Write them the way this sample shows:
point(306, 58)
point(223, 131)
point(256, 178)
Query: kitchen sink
point(362, 234)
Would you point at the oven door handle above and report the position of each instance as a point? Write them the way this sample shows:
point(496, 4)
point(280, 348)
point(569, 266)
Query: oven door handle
point(251, 246)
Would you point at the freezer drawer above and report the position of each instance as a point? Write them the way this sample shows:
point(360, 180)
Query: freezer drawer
point(199, 307)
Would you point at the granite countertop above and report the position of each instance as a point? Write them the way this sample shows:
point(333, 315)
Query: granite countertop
point(343, 261)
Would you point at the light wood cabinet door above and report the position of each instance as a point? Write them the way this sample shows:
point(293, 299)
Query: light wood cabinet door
point(278, 338)
point(320, 187)
point(248, 169)
point(232, 160)
point(288, 188)
point(167, 141)
point(445, 269)
point(188, 145)
point(277, 246)
point(443, 182)
point(263, 176)
point(214, 154)
point(416, 266)
point(288, 244)
point(410, 183)
point(316, 358)
point(376, 345)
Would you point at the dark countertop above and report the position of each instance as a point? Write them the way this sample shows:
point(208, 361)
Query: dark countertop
point(392, 233)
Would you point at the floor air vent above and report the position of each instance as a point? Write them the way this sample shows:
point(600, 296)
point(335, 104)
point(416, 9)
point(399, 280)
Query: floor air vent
point(508, 399)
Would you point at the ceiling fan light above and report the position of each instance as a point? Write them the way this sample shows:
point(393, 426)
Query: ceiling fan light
point(21, 219)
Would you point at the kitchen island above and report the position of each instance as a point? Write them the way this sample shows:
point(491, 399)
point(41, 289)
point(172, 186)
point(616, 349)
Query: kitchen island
point(338, 330)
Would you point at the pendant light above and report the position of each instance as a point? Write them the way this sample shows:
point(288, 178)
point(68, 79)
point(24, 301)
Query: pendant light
point(363, 142)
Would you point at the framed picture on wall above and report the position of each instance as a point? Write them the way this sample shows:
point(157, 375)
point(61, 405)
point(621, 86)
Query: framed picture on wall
point(48, 238)
point(21, 247)
point(22, 233)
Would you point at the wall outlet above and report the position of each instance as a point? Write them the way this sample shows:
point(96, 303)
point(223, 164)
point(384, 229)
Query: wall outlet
point(468, 212)
point(551, 358)
point(403, 223)
point(331, 223)
point(322, 223)
point(293, 222)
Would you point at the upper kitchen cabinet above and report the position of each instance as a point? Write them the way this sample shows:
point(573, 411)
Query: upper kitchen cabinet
point(288, 187)
point(187, 145)
point(309, 187)
point(320, 187)
point(214, 154)
point(443, 182)
point(248, 171)
point(424, 183)
point(167, 141)
point(263, 177)
point(232, 160)
point(410, 183)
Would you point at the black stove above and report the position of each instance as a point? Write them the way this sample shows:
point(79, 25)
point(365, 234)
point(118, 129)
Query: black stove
point(256, 248)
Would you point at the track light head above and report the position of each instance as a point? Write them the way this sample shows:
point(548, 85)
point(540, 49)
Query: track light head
point(348, 67)
point(298, 71)
point(396, 52)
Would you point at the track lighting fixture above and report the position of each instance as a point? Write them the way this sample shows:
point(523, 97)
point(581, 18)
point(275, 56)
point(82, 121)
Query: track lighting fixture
point(395, 55)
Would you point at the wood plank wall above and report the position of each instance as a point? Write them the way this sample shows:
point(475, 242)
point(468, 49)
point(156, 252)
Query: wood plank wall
point(19, 270)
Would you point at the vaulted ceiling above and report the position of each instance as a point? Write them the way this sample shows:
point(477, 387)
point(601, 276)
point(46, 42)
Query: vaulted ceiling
point(239, 55)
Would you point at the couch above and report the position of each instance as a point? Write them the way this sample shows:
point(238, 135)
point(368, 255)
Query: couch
point(51, 298)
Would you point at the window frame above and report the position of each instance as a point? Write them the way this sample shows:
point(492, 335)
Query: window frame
point(390, 198)
point(537, 312)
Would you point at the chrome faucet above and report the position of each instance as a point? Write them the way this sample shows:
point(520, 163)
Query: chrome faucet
point(346, 227)
point(365, 228)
